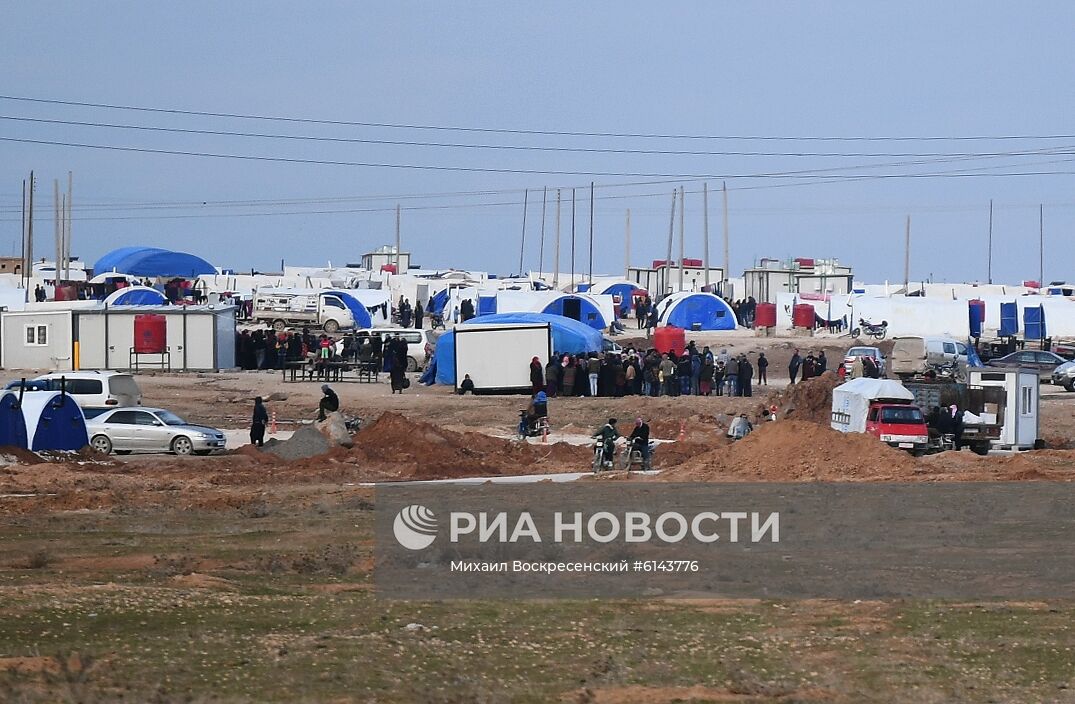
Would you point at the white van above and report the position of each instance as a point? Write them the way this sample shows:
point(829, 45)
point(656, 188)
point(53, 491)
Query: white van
point(283, 307)
point(96, 392)
point(915, 355)
point(420, 343)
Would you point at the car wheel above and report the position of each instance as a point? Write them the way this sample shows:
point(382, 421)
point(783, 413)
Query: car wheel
point(412, 364)
point(279, 325)
point(332, 326)
point(1070, 385)
point(101, 444)
point(182, 445)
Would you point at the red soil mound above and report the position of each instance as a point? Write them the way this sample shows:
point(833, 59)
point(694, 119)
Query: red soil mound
point(810, 400)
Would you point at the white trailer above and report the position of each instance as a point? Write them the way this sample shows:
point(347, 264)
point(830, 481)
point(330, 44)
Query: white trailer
point(1019, 415)
point(497, 356)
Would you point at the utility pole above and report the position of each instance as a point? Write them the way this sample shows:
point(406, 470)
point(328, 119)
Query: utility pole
point(907, 258)
point(590, 278)
point(556, 258)
point(67, 230)
point(57, 229)
point(541, 245)
point(572, 238)
point(682, 198)
point(668, 254)
point(28, 268)
point(727, 263)
point(522, 240)
point(398, 216)
point(627, 246)
point(1041, 245)
point(989, 261)
point(705, 230)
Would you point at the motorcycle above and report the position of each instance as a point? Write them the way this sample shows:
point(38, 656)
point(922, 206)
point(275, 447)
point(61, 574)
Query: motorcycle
point(599, 462)
point(877, 332)
point(632, 456)
point(525, 430)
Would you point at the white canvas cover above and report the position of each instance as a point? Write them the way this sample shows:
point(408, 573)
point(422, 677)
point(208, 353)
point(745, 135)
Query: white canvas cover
point(851, 401)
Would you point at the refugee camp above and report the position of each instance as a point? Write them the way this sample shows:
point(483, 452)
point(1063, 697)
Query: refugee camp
point(600, 353)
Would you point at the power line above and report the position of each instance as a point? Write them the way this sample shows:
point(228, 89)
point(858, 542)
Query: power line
point(560, 133)
point(531, 148)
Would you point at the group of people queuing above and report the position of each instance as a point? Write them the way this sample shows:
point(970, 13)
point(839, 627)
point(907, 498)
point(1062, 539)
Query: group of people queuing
point(635, 373)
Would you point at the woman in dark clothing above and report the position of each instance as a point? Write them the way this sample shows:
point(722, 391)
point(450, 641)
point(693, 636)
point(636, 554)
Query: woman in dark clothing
point(552, 377)
point(258, 422)
point(397, 355)
point(570, 373)
point(537, 376)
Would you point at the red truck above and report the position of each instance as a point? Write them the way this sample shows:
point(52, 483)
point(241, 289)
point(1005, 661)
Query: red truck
point(899, 425)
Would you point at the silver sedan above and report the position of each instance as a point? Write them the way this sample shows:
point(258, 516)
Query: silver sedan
point(141, 429)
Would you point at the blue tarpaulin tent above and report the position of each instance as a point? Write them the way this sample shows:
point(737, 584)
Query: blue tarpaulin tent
point(689, 309)
point(12, 424)
point(362, 317)
point(1034, 323)
point(1009, 319)
point(152, 261)
point(568, 337)
point(136, 296)
point(440, 299)
point(53, 421)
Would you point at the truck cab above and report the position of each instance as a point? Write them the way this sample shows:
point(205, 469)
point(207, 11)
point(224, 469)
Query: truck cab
point(900, 425)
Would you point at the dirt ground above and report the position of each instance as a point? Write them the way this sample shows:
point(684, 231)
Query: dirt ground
point(243, 577)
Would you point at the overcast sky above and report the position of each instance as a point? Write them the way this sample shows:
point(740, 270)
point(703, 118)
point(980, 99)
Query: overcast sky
point(707, 69)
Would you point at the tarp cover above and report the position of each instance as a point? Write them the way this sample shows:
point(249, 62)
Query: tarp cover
point(135, 296)
point(12, 423)
point(363, 321)
point(568, 337)
point(851, 401)
point(685, 309)
point(150, 261)
point(54, 421)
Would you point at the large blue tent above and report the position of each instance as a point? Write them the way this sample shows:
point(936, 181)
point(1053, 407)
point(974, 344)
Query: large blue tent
point(154, 262)
point(136, 296)
point(363, 320)
point(568, 337)
point(690, 309)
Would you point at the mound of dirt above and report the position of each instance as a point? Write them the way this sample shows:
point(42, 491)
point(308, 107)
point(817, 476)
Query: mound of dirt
point(9, 454)
point(306, 442)
point(810, 400)
point(797, 450)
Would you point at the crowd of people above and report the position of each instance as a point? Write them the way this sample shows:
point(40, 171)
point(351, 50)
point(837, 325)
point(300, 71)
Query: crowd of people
point(695, 372)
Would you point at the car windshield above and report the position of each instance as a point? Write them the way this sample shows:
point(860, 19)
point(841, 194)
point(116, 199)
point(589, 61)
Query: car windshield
point(170, 418)
point(860, 352)
point(905, 416)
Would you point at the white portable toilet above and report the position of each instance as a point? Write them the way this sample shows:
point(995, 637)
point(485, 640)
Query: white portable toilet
point(1019, 417)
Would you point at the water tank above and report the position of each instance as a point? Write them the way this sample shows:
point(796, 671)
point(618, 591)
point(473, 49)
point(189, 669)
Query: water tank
point(978, 304)
point(670, 339)
point(802, 315)
point(150, 333)
point(765, 315)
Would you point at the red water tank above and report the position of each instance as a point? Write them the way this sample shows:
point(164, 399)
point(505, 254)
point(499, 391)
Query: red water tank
point(765, 315)
point(67, 292)
point(980, 305)
point(670, 339)
point(150, 333)
point(802, 315)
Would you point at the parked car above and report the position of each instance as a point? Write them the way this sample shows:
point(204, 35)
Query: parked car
point(1045, 363)
point(416, 340)
point(95, 392)
point(1064, 375)
point(125, 430)
point(872, 352)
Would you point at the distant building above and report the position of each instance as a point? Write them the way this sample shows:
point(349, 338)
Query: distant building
point(10, 265)
point(768, 277)
point(662, 278)
point(386, 256)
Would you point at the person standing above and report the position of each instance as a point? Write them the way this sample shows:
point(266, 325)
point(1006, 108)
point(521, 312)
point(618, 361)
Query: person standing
point(793, 366)
point(552, 377)
point(763, 364)
point(822, 363)
point(731, 375)
point(746, 376)
point(537, 376)
point(258, 422)
point(593, 371)
point(418, 314)
point(651, 321)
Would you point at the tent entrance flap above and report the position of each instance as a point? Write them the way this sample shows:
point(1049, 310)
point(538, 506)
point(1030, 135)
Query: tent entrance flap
point(573, 308)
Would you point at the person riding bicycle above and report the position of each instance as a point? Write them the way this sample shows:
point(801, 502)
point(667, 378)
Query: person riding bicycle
point(607, 434)
point(639, 439)
point(329, 403)
point(537, 408)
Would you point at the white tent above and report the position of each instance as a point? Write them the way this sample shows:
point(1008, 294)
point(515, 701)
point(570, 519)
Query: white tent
point(851, 401)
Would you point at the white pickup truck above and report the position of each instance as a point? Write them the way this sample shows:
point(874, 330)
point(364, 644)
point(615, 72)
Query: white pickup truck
point(283, 307)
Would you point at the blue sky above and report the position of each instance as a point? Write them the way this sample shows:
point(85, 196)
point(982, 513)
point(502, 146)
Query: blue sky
point(912, 69)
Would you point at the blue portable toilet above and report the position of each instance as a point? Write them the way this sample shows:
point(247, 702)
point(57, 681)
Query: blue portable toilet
point(54, 421)
point(12, 424)
point(1009, 319)
point(1034, 323)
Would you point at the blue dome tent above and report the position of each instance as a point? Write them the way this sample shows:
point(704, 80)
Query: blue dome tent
point(135, 296)
point(567, 306)
point(12, 423)
point(53, 421)
point(689, 309)
point(615, 287)
point(151, 261)
point(568, 337)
